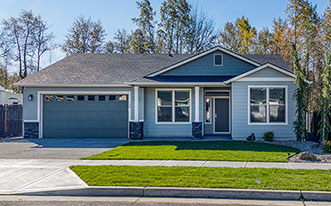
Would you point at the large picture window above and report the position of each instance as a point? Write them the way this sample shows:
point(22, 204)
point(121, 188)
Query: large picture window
point(173, 105)
point(267, 104)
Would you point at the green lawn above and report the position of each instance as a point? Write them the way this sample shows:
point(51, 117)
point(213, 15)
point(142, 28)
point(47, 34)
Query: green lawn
point(245, 178)
point(199, 150)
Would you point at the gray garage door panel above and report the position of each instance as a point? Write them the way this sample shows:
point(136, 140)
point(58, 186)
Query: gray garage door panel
point(85, 118)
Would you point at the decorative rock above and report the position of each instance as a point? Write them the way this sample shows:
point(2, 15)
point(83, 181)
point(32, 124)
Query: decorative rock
point(306, 156)
point(31, 129)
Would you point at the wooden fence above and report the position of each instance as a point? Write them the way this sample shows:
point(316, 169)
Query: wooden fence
point(11, 120)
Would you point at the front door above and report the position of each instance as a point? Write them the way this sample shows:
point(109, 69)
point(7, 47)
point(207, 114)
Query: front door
point(221, 115)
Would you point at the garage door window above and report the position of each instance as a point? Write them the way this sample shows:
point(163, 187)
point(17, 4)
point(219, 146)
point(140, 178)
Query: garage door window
point(122, 98)
point(91, 97)
point(112, 97)
point(70, 98)
point(102, 98)
point(80, 98)
point(49, 98)
point(59, 98)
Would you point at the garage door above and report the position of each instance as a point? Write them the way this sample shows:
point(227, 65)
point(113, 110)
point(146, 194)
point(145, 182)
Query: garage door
point(85, 116)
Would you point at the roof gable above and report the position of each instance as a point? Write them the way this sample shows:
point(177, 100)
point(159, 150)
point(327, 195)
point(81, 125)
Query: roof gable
point(266, 71)
point(230, 59)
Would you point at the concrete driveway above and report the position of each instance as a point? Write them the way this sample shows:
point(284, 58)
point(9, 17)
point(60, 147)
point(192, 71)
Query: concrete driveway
point(64, 148)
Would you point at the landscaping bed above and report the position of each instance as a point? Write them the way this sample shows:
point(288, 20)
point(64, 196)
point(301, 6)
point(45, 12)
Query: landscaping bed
point(241, 178)
point(199, 150)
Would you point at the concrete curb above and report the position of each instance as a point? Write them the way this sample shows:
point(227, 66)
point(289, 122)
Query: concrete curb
point(186, 193)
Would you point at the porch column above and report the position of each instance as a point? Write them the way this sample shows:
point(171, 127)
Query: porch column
point(197, 124)
point(136, 126)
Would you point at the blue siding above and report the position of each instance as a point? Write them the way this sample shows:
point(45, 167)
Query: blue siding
point(151, 129)
point(30, 108)
point(240, 127)
point(204, 66)
point(268, 72)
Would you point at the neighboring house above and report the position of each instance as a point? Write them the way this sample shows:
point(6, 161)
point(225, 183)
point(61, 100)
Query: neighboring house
point(216, 92)
point(9, 97)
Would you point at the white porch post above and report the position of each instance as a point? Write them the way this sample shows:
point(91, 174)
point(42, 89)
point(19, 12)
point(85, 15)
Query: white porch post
point(197, 102)
point(136, 103)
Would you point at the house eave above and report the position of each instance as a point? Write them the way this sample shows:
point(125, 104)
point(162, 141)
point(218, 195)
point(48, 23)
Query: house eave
point(70, 85)
point(176, 84)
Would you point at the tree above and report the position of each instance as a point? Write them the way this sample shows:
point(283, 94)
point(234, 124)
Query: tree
point(300, 95)
point(122, 41)
point(201, 33)
point(229, 37)
point(325, 110)
point(137, 42)
point(85, 36)
point(28, 38)
point(146, 24)
point(174, 24)
point(264, 41)
point(110, 47)
point(246, 34)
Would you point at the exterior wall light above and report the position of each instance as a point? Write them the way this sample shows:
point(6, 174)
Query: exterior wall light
point(30, 97)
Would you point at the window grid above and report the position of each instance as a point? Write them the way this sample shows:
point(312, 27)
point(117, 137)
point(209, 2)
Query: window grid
point(173, 106)
point(267, 105)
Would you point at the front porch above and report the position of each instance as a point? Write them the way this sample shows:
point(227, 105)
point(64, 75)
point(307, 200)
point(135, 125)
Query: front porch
point(198, 112)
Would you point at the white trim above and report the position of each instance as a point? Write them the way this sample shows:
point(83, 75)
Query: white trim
point(70, 85)
point(173, 105)
point(267, 65)
point(196, 97)
point(201, 55)
point(267, 105)
point(214, 120)
point(143, 105)
point(266, 79)
point(221, 61)
point(31, 121)
point(136, 103)
point(40, 103)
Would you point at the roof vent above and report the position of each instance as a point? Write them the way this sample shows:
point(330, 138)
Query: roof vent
point(171, 55)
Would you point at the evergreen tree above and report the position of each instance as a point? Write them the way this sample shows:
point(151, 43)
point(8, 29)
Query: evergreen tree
point(122, 41)
point(246, 34)
point(146, 24)
point(264, 41)
point(137, 42)
point(228, 37)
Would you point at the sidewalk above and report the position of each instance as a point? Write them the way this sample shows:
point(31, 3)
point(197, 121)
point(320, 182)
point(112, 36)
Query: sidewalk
point(28, 175)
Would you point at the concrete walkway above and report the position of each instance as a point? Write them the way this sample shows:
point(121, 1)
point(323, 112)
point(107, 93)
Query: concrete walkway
point(22, 175)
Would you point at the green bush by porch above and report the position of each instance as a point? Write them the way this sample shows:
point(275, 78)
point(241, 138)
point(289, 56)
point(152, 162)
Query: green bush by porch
point(199, 150)
point(244, 178)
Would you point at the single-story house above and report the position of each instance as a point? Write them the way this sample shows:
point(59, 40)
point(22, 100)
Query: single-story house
point(8, 96)
point(216, 92)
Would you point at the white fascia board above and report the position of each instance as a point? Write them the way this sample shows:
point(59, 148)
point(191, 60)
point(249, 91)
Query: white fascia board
point(201, 55)
point(71, 85)
point(267, 65)
point(152, 84)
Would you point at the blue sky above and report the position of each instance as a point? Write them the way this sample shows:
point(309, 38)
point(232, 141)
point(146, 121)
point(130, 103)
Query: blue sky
point(116, 14)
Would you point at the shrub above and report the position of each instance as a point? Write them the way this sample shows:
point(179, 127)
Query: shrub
point(327, 146)
point(269, 136)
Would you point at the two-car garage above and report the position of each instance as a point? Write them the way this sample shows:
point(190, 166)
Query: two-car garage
point(81, 115)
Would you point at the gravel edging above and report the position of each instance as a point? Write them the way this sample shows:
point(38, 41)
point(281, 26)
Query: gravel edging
point(305, 146)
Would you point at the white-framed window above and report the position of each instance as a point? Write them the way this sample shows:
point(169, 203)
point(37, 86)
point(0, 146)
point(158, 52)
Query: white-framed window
point(173, 106)
point(218, 60)
point(267, 105)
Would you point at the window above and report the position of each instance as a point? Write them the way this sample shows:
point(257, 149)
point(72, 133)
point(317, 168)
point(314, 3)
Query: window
point(218, 60)
point(267, 104)
point(90, 97)
point(49, 98)
point(70, 98)
point(112, 97)
point(208, 110)
point(102, 98)
point(122, 98)
point(80, 98)
point(59, 98)
point(173, 105)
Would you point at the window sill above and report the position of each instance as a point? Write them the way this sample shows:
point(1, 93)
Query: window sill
point(173, 123)
point(267, 124)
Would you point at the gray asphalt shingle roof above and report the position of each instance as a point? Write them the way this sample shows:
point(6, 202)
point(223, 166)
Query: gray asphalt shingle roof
point(116, 68)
